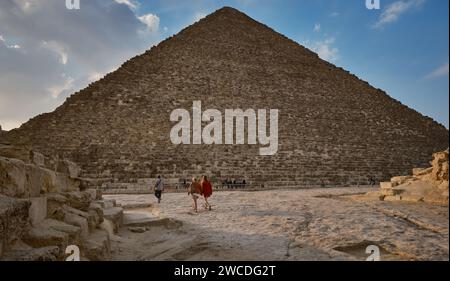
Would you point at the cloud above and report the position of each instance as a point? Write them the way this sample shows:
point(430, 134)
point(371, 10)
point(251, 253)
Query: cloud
point(334, 14)
point(439, 72)
point(67, 85)
point(393, 11)
point(199, 16)
point(3, 42)
point(151, 21)
point(325, 49)
point(317, 27)
point(58, 49)
point(132, 4)
point(47, 40)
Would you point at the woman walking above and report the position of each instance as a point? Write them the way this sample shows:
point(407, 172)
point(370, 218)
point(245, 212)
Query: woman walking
point(195, 189)
point(207, 191)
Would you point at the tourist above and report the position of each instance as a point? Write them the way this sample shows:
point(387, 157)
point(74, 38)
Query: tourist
point(207, 191)
point(195, 189)
point(371, 181)
point(159, 187)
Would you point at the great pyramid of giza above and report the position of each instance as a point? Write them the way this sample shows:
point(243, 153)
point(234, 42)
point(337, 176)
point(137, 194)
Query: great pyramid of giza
point(334, 129)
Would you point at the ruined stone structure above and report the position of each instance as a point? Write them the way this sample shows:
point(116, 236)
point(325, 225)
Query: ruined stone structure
point(334, 129)
point(423, 185)
point(44, 208)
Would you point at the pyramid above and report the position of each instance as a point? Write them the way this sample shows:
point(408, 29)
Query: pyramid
point(334, 129)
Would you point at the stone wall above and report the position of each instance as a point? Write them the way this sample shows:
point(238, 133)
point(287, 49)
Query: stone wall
point(334, 129)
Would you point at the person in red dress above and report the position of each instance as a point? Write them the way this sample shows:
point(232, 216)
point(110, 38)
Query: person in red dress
point(207, 191)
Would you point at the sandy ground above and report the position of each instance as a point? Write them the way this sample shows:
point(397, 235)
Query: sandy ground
point(317, 224)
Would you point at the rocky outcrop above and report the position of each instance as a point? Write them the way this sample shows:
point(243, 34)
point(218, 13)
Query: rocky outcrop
point(43, 210)
point(424, 185)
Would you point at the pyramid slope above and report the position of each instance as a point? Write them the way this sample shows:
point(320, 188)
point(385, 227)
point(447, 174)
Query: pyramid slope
point(334, 128)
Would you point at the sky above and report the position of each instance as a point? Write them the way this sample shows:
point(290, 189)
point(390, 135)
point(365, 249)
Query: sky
point(48, 52)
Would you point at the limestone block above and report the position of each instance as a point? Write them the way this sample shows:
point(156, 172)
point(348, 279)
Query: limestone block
point(77, 220)
point(396, 181)
point(115, 215)
point(38, 210)
point(12, 177)
point(385, 185)
point(55, 205)
point(97, 246)
point(50, 253)
point(13, 220)
point(69, 168)
point(421, 171)
point(74, 232)
point(37, 159)
point(16, 152)
point(78, 199)
point(107, 203)
point(44, 237)
point(18, 179)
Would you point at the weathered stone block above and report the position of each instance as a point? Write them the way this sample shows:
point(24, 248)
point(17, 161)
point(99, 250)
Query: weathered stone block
point(55, 204)
point(13, 220)
point(115, 215)
point(44, 237)
point(97, 246)
point(421, 171)
point(386, 185)
point(396, 181)
point(69, 168)
point(38, 210)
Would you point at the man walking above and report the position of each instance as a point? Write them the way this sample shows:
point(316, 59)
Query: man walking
point(159, 187)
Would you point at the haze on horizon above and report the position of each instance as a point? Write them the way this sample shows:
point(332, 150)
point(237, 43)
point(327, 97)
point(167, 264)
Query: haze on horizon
point(48, 52)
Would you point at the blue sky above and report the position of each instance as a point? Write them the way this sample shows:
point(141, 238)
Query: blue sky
point(402, 48)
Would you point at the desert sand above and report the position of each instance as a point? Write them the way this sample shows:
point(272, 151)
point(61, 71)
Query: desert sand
point(314, 224)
